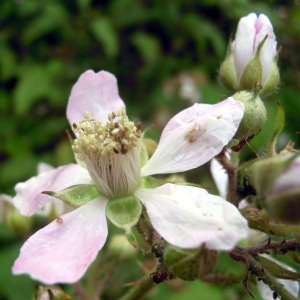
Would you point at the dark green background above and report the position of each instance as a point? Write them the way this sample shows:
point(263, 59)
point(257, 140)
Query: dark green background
point(45, 45)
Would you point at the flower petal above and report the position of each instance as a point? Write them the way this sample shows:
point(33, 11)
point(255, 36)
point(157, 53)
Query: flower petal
point(220, 176)
point(96, 93)
point(29, 197)
point(194, 136)
point(268, 51)
point(189, 217)
point(243, 45)
point(63, 250)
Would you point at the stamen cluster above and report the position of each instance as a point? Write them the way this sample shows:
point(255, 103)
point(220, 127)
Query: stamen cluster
point(111, 152)
point(118, 135)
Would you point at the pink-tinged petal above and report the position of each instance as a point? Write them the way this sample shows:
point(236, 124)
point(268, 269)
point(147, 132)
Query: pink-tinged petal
point(62, 251)
point(194, 136)
point(268, 51)
point(189, 217)
point(288, 181)
point(29, 198)
point(243, 46)
point(43, 167)
point(96, 93)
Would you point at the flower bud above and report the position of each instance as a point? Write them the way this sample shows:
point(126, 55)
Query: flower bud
point(189, 264)
point(277, 183)
point(251, 58)
point(11, 218)
point(283, 200)
point(254, 115)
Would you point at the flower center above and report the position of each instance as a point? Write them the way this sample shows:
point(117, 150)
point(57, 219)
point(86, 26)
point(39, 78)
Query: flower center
point(111, 152)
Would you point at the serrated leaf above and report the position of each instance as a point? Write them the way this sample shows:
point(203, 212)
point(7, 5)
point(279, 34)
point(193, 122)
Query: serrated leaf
point(77, 195)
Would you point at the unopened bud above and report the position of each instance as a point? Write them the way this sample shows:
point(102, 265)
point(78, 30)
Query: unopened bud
point(189, 264)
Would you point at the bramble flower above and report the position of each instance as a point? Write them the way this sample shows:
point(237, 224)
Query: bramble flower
point(252, 56)
point(109, 148)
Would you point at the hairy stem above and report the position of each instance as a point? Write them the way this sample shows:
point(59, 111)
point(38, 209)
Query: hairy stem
point(139, 290)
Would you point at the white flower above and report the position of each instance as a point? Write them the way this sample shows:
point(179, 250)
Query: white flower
point(109, 144)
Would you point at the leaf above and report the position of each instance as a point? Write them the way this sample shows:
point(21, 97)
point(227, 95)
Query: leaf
point(32, 85)
point(147, 45)
point(49, 19)
point(105, 33)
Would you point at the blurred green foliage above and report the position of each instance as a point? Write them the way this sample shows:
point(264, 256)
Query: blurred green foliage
point(46, 45)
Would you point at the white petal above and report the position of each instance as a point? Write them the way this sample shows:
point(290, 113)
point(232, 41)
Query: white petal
point(29, 198)
point(194, 136)
point(62, 251)
point(220, 176)
point(43, 167)
point(268, 51)
point(189, 217)
point(96, 93)
point(243, 45)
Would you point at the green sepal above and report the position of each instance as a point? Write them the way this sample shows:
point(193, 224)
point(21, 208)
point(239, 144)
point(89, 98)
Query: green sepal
point(279, 124)
point(272, 82)
point(151, 182)
point(227, 75)
point(189, 264)
point(124, 212)
point(77, 195)
point(277, 270)
point(252, 74)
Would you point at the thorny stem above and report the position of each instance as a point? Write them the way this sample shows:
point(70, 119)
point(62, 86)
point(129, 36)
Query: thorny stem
point(140, 289)
point(247, 256)
point(278, 247)
point(231, 170)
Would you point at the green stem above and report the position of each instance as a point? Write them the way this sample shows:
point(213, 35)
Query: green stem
point(140, 289)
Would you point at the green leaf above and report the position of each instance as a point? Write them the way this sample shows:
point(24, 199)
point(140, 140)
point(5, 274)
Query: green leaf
point(13, 287)
point(48, 20)
point(77, 195)
point(105, 33)
point(33, 85)
point(147, 45)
